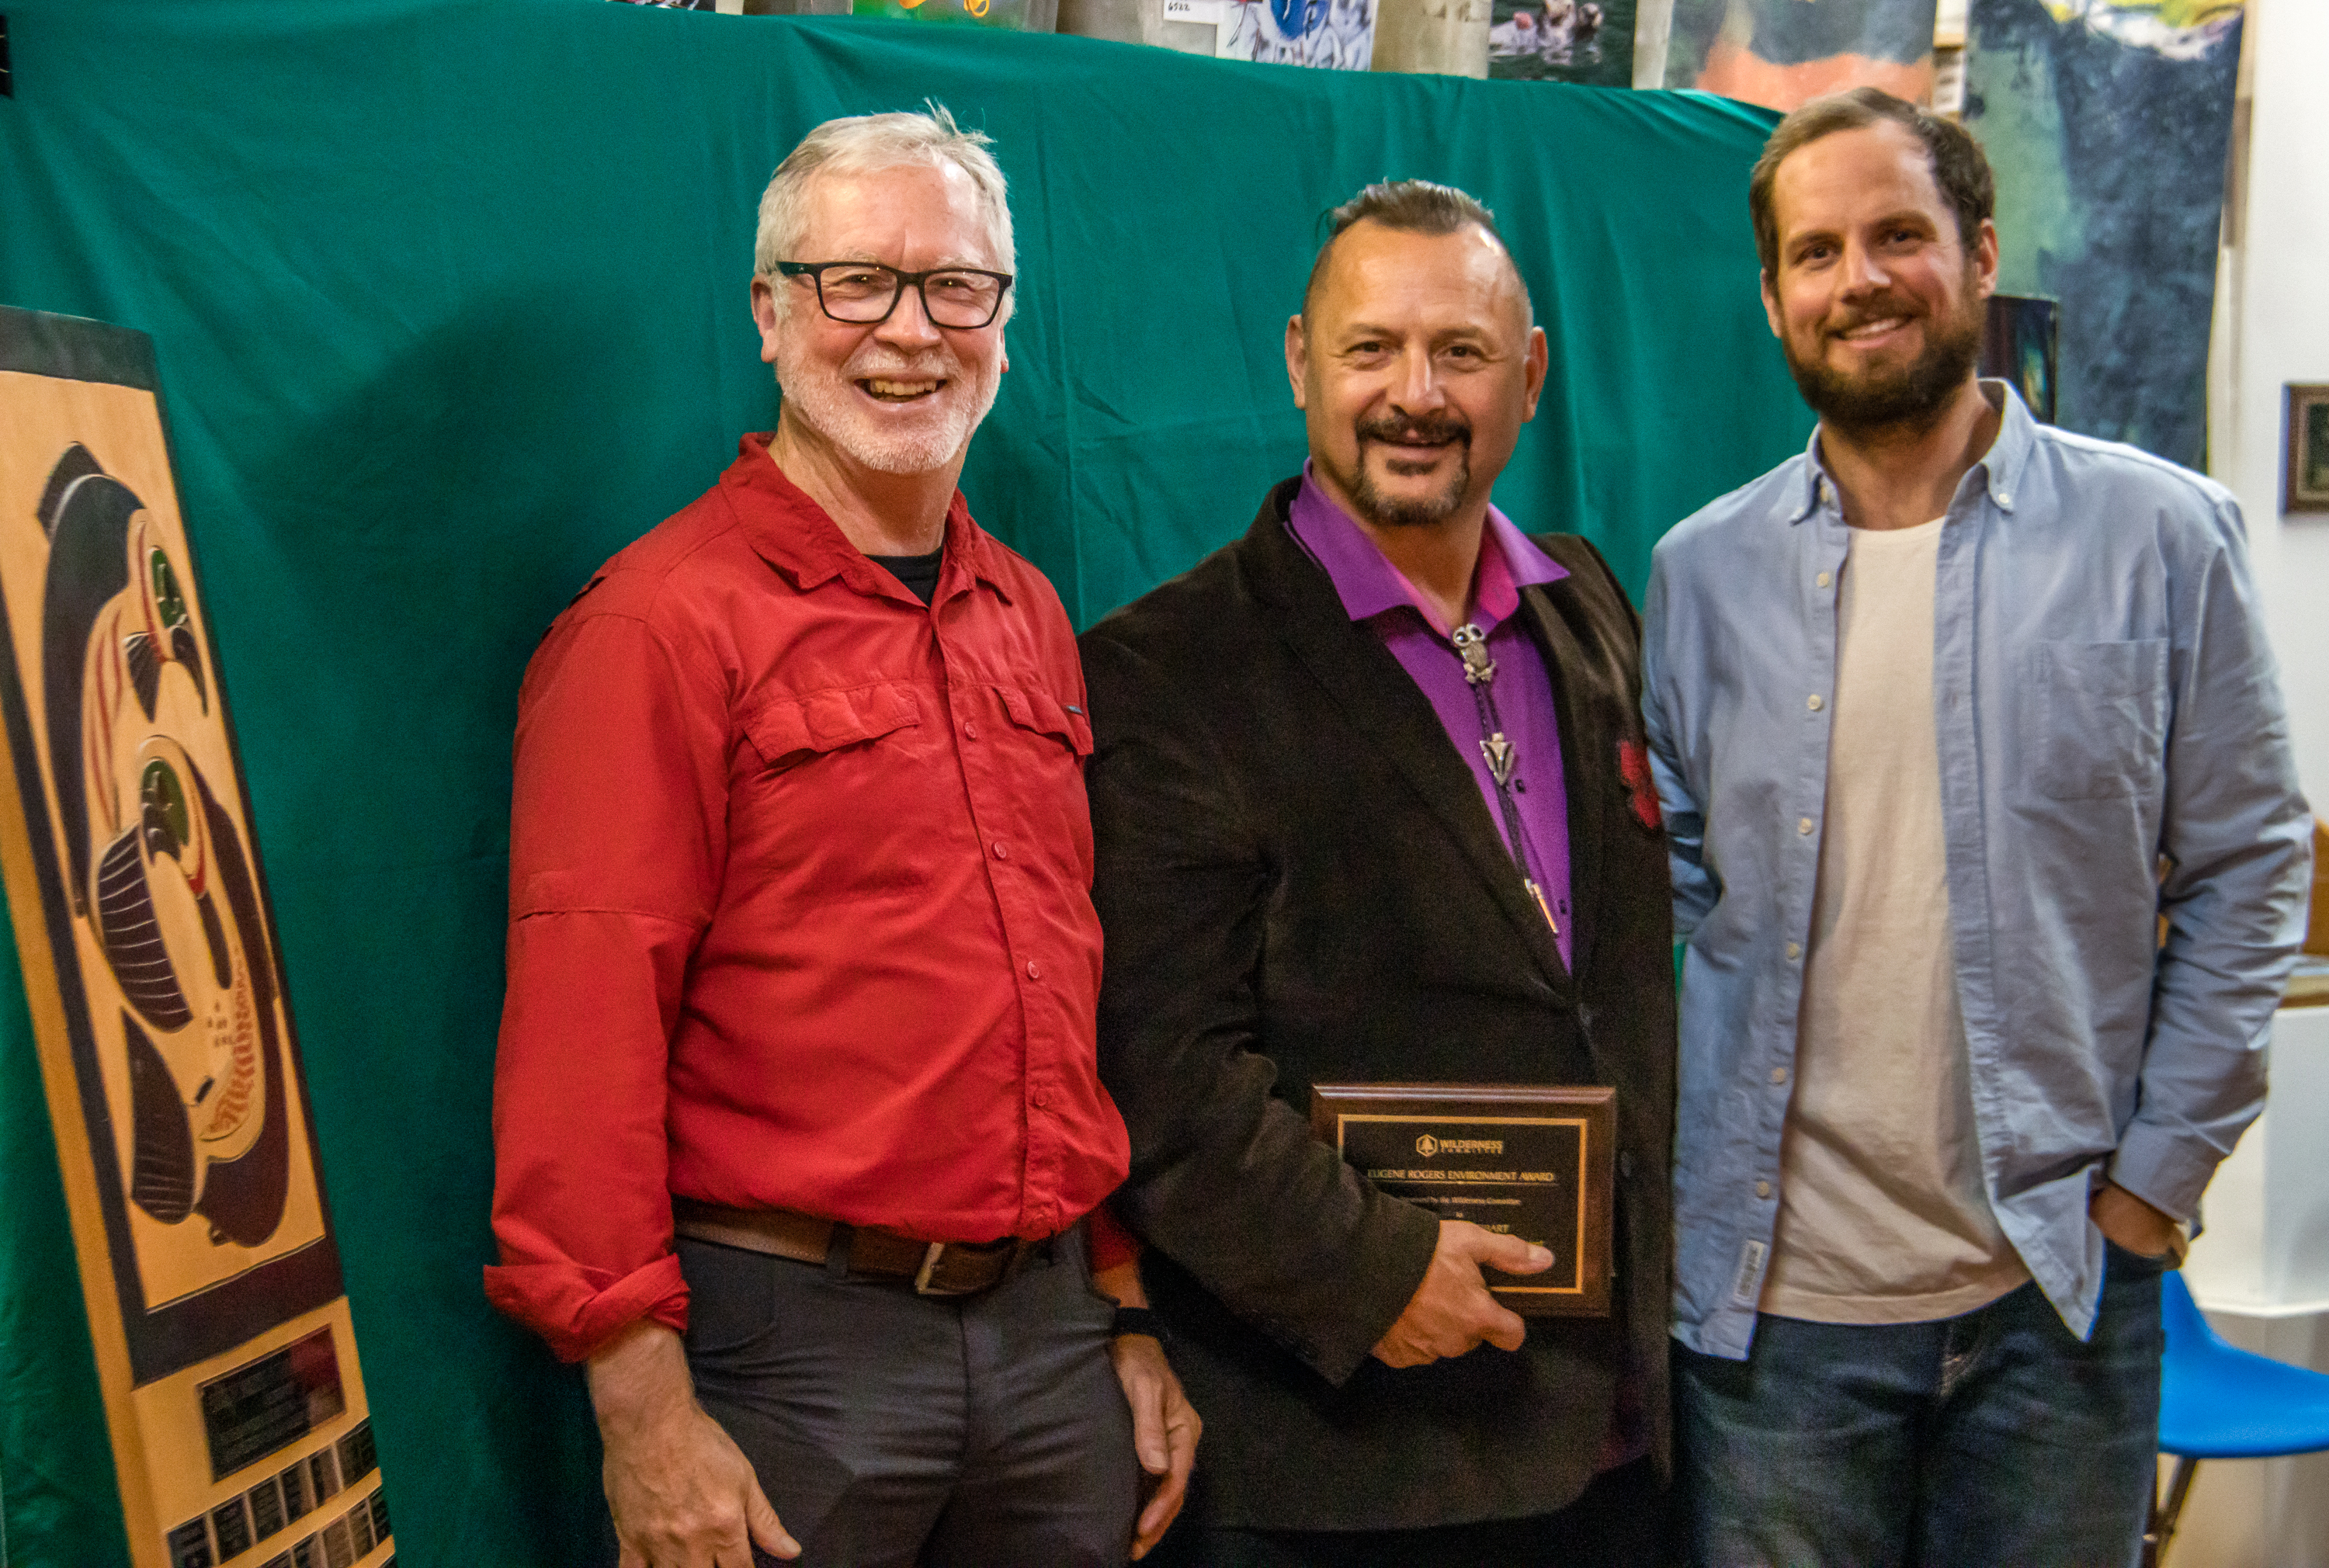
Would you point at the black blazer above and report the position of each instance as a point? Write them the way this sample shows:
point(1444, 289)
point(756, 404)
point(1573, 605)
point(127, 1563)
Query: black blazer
point(1301, 883)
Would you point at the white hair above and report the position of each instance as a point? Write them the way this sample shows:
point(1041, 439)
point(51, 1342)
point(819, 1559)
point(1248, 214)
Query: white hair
point(864, 144)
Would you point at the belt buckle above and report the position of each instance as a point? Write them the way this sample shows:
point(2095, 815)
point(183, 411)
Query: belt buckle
point(930, 1256)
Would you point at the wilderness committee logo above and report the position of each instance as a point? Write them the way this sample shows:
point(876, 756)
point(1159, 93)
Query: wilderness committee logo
point(1427, 1146)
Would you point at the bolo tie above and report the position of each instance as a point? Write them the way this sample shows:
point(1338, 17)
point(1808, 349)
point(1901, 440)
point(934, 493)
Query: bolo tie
point(1480, 674)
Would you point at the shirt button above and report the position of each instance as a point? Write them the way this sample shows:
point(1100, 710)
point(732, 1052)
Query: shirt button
point(1823, 579)
point(1762, 1190)
point(1034, 970)
point(1795, 950)
point(971, 729)
point(1814, 702)
point(1043, 1099)
point(1001, 851)
point(1804, 825)
point(1779, 1075)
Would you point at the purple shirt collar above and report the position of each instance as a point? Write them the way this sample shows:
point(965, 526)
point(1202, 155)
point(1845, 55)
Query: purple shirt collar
point(1373, 593)
point(1369, 584)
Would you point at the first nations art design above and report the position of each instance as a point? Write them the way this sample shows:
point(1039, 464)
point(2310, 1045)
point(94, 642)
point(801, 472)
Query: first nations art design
point(209, 1264)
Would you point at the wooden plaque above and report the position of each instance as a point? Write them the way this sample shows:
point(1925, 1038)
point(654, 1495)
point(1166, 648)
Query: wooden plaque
point(1535, 1161)
point(225, 1351)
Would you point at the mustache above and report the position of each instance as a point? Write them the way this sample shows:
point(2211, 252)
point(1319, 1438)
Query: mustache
point(1876, 309)
point(875, 360)
point(1434, 430)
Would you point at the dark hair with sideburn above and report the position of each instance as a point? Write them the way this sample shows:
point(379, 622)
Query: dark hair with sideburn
point(1411, 207)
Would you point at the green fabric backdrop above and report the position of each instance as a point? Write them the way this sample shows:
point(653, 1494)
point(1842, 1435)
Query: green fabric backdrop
point(449, 304)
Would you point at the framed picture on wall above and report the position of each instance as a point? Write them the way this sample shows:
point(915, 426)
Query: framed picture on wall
point(2304, 475)
point(2019, 340)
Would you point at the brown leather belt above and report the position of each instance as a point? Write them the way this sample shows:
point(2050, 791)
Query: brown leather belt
point(934, 1268)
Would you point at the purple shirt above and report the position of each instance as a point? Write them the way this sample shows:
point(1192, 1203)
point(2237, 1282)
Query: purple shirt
point(1375, 592)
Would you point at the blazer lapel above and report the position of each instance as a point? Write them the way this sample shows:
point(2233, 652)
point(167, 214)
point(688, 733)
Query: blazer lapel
point(1382, 701)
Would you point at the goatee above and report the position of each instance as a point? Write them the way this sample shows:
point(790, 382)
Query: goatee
point(1911, 397)
point(823, 398)
point(1416, 512)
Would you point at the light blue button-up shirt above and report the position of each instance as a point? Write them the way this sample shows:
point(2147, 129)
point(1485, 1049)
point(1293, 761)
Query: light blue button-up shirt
point(2106, 710)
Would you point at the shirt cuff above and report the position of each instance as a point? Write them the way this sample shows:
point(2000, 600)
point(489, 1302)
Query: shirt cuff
point(1111, 1245)
point(2163, 1170)
point(579, 1309)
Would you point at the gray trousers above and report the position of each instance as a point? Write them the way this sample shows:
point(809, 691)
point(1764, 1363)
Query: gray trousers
point(922, 1431)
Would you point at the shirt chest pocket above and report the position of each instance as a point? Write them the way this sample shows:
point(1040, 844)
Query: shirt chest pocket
point(2095, 719)
point(789, 732)
point(1040, 717)
point(1036, 765)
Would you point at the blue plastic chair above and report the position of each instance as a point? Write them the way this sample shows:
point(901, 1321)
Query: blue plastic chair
point(2217, 1402)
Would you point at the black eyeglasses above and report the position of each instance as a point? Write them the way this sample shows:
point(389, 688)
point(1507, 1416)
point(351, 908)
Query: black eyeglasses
point(862, 293)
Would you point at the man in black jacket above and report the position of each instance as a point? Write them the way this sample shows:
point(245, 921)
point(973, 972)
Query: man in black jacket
point(1372, 805)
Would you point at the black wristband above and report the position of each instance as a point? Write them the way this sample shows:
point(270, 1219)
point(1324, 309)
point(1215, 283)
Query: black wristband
point(1138, 1320)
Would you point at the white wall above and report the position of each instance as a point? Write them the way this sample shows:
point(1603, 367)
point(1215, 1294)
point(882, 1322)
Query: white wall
point(2272, 327)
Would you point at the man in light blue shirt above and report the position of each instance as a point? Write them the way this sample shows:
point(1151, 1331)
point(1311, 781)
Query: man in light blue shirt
point(1946, 714)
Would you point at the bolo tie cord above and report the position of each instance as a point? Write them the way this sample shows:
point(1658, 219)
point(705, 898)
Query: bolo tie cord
point(1480, 673)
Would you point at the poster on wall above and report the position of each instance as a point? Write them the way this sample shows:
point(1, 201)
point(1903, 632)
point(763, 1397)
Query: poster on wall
point(1322, 34)
point(1009, 15)
point(208, 1265)
point(1782, 54)
point(2108, 125)
point(1587, 41)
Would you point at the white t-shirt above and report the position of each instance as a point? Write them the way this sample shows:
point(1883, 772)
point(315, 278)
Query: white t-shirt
point(1882, 1215)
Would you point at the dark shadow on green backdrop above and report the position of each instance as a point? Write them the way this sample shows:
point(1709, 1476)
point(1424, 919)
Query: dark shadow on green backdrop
point(449, 304)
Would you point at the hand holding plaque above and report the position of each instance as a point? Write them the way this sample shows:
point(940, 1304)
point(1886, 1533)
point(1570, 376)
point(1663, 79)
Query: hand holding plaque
point(1529, 1160)
point(1453, 1313)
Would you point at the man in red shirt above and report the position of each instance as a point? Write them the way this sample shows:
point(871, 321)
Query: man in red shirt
point(796, 1114)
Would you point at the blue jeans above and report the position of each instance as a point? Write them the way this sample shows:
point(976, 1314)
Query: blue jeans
point(1995, 1438)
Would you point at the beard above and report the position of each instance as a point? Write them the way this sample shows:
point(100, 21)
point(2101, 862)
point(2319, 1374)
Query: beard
point(1911, 396)
point(826, 402)
point(1409, 512)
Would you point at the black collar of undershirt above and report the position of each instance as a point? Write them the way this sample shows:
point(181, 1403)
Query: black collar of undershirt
point(918, 573)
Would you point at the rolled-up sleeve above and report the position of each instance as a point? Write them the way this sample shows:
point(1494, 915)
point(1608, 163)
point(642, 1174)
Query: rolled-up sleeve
point(2237, 838)
point(617, 842)
point(1112, 1245)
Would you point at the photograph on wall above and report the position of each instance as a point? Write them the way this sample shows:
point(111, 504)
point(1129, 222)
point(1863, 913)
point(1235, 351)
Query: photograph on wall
point(1321, 34)
point(1587, 41)
point(1782, 54)
point(156, 944)
point(2108, 125)
point(2304, 484)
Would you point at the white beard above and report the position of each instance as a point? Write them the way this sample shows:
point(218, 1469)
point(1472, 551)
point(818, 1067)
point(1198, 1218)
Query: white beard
point(828, 404)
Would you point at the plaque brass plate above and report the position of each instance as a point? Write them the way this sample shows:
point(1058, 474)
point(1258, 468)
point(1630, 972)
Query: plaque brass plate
point(1532, 1160)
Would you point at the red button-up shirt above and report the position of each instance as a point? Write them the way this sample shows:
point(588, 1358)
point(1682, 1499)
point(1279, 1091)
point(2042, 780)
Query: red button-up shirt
point(800, 907)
